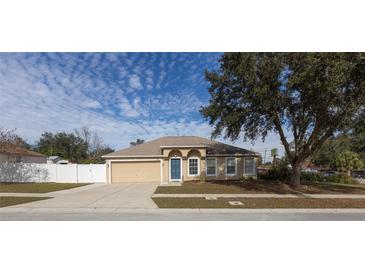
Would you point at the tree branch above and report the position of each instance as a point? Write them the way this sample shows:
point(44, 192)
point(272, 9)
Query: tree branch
point(282, 137)
point(318, 143)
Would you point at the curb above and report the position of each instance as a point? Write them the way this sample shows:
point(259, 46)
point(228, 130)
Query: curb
point(181, 211)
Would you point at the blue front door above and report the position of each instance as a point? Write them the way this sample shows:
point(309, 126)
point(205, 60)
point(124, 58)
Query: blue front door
point(175, 169)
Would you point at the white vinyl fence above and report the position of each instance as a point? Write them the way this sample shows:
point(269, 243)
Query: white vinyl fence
point(41, 173)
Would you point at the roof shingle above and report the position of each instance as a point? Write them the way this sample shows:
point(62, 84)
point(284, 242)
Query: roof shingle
point(153, 148)
point(16, 150)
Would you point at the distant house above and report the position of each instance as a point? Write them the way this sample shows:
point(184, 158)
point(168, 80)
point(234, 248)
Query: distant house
point(21, 155)
point(57, 160)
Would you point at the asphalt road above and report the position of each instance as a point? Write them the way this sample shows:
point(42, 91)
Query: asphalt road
point(173, 216)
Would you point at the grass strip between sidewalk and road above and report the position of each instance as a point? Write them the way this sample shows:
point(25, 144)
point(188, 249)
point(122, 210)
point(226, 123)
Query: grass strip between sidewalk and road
point(259, 187)
point(10, 200)
point(37, 187)
point(163, 202)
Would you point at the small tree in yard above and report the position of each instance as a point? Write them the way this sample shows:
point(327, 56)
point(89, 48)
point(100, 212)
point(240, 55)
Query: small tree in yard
point(137, 142)
point(334, 146)
point(347, 162)
point(94, 145)
point(357, 134)
point(304, 97)
point(8, 139)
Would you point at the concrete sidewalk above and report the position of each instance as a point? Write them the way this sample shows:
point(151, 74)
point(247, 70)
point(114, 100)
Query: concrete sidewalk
point(21, 194)
point(248, 195)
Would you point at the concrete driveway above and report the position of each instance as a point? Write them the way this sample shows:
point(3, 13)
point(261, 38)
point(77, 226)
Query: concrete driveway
point(127, 195)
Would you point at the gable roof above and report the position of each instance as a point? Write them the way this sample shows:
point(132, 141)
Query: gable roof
point(16, 150)
point(153, 148)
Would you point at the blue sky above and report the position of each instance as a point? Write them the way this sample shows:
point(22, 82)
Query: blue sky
point(123, 96)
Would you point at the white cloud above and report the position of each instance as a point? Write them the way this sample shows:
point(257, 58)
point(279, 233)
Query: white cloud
point(112, 57)
point(123, 72)
point(149, 86)
point(149, 79)
point(149, 72)
point(135, 82)
point(161, 78)
point(38, 94)
point(131, 109)
point(177, 102)
point(92, 104)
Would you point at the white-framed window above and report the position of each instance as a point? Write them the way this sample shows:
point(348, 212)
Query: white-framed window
point(194, 166)
point(211, 166)
point(231, 166)
point(249, 166)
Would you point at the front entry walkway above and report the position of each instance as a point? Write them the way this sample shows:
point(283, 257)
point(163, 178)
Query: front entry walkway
point(126, 195)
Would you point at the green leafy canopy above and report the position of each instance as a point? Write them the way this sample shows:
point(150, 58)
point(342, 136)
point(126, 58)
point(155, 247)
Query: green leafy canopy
point(348, 161)
point(309, 95)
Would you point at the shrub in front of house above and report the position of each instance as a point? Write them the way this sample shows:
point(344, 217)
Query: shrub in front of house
point(244, 179)
point(282, 174)
point(313, 177)
point(342, 179)
point(335, 178)
point(203, 177)
point(278, 172)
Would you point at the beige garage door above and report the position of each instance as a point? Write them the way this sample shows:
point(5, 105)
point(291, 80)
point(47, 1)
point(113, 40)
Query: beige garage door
point(135, 172)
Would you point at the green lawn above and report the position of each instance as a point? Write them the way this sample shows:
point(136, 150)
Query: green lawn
point(9, 200)
point(236, 187)
point(259, 203)
point(36, 187)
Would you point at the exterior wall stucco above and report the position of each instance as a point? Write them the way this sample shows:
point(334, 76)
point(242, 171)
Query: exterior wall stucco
point(221, 169)
point(184, 153)
point(165, 167)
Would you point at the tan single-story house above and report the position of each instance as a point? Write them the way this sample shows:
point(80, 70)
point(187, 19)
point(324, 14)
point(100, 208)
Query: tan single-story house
point(176, 159)
point(16, 154)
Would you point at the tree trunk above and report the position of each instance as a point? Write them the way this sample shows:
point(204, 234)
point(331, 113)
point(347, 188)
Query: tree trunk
point(295, 175)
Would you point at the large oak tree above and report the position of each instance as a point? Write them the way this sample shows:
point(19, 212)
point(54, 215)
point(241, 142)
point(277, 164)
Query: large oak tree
point(304, 97)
